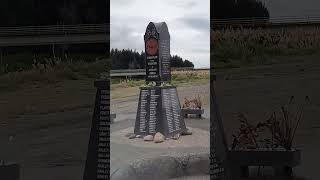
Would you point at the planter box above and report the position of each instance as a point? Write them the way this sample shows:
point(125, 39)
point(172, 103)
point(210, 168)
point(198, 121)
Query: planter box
point(281, 160)
point(9, 171)
point(185, 112)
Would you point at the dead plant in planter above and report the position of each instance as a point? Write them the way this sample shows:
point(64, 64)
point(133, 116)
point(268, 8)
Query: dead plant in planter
point(283, 127)
point(195, 103)
point(248, 135)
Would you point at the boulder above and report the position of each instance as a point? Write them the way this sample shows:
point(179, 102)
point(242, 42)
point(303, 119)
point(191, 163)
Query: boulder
point(132, 136)
point(159, 138)
point(148, 138)
point(138, 136)
point(186, 132)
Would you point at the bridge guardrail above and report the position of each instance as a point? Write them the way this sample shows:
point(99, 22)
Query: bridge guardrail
point(142, 72)
point(53, 30)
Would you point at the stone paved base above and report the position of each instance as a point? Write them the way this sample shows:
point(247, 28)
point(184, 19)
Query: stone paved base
point(199, 138)
point(165, 167)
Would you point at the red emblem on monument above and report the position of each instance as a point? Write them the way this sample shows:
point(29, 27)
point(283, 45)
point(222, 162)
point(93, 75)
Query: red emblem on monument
point(152, 46)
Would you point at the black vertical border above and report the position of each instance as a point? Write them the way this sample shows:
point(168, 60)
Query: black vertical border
point(97, 165)
point(91, 164)
point(218, 144)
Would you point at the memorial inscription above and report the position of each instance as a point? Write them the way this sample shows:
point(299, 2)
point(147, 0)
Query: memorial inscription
point(164, 47)
point(97, 163)
point(218, 145)
point(151, 38)
point(159, 111)
point(157, 47)
point(148, 111)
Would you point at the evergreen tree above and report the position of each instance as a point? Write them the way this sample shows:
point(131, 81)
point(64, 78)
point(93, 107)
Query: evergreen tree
point(128, 59)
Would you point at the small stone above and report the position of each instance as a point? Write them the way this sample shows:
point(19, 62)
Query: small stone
point(132, 136)
point(186, 132)
point(138, 136)
point(148, 138)
point(159, 138)
point(128, 135)
point(176, 136)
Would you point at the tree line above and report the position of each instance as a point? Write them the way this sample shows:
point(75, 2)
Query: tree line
point(131, 59)
point(39, 12)
point(221, 9)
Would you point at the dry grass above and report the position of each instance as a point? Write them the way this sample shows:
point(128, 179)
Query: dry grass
point(259, 46)
point(281, 127)
point(178, 78)
point(53, 73)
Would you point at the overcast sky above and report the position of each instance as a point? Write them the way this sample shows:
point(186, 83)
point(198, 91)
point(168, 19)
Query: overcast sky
point(188, 22)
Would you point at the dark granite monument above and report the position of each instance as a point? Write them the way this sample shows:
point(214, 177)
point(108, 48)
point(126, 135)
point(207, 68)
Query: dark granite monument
point(159, 107)
point(97, 163)
point(157, 48)
point(218, 143)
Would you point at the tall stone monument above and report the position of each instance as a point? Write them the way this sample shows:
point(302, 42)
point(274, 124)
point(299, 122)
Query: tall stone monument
point(159, 107)
point(97, 166)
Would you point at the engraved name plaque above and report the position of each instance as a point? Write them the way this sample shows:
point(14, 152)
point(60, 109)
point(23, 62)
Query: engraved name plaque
point(97, 163)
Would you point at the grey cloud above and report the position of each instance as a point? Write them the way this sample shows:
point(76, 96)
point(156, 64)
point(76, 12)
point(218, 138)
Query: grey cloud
point(122, 2)
point(127, 30)
point(182, 3)
point(200, 24)
point(122, 36)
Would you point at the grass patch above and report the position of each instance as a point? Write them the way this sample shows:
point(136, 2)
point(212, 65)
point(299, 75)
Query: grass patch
point(178, 78)
point(251, 47)
point(54, 73)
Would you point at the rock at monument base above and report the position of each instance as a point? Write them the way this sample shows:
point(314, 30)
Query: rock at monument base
point(159, 138)
point(132, 136)
point(138, 136)
point(148, 138)
point(176, 136)
point(129, 134)
point(186, 132)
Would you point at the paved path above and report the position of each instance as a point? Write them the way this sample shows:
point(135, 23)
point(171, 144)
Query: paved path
point(123, 151)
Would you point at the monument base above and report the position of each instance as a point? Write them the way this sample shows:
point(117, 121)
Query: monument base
point(159, 111)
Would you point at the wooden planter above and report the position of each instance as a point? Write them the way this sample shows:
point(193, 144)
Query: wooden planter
point(198, 112)
point(282, 161)
point(9, 171)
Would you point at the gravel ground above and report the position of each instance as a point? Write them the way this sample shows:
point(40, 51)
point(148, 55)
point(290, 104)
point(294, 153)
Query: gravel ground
point(46, 128)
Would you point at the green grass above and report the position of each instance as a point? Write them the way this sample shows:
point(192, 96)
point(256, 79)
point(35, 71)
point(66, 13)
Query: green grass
point(177, 79)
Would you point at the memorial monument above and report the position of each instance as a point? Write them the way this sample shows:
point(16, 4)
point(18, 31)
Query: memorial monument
point(97, 166)
point(159, 107)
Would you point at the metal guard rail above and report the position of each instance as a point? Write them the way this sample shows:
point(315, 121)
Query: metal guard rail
point(54, 30)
